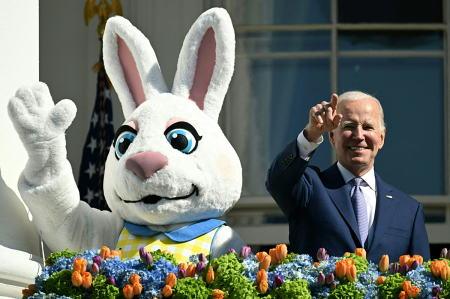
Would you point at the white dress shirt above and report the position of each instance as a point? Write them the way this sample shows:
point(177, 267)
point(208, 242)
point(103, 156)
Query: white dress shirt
point(368, 185)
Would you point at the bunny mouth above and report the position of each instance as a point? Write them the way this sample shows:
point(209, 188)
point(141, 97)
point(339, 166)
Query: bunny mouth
point(153, 199)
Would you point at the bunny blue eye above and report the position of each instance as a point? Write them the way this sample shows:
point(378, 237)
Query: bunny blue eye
point(123, 139)
point(182, 136)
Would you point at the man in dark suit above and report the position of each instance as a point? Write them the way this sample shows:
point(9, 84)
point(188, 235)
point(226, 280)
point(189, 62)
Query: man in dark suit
point(347, 206)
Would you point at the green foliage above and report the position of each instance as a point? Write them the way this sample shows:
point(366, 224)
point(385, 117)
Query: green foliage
point(60, 283)
point(445, 288)
point(55, 255)
point(102, 290)
point(189, 287)
point(290, 258)
point(345, 290)
point(157, 254)
point(392, 286)
point(227, 270)
point(292, 289)
point(361, 264)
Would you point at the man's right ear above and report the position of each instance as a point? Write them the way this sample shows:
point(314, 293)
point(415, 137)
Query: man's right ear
point(331, 137)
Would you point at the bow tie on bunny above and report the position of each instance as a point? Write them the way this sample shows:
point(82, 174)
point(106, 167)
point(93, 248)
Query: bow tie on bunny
point(169, 164)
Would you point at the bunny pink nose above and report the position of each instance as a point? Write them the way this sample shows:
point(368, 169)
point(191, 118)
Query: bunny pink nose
point(145, 164)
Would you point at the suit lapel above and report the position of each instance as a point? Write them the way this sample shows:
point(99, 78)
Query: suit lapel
point(384, 210)
point(339, 194)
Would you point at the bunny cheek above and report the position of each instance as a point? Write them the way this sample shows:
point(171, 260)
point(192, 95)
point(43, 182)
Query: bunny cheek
point(226, 167)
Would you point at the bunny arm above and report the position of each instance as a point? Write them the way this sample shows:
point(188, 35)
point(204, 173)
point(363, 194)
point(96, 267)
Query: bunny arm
point(226, 238)
point(46, 184)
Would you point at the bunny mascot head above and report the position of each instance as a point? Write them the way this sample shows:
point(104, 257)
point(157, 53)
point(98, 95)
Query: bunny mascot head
point(170, 162)
point(170, 169)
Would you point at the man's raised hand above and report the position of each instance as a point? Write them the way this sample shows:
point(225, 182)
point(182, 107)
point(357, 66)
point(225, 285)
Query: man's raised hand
point(322, 118)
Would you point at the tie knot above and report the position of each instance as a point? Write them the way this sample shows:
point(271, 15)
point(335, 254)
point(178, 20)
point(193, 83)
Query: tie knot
point(357, 182)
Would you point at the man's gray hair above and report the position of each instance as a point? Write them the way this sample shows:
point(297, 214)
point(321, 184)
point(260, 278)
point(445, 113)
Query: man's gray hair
point(356, 95)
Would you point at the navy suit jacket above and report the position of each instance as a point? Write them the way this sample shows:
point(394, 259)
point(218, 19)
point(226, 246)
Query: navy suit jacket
point(320, 214)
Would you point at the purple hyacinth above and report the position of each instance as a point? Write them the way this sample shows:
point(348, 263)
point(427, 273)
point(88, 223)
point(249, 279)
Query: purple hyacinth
point(111, 281)
point(202, 258)
point(394, 268)
point(330, 278)
point(414, 265)
point(200, 268)
point(404, 269)
point(97, 260)
point(436, 290)
point(321, 254)
point(278, 281)
point(181, 273)
point(245, 252)
point(321, 279)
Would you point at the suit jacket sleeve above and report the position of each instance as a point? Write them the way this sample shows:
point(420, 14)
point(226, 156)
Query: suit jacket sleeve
point(286, 180)
point(419, 239)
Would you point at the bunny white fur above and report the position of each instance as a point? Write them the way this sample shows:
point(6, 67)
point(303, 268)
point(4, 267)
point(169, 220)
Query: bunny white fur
point(47, 185)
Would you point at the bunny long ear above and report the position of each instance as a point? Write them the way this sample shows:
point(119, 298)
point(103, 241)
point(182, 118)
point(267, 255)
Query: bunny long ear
point(206, 61)
point(131, 64)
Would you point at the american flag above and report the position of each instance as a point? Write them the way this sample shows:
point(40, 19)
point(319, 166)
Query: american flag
point(96, 147)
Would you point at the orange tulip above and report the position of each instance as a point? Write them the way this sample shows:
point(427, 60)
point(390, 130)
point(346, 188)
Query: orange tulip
point(349, 262)
point(351, 273)
point(171, 280)
point(435, 268)
point(341, 268)
point(116, 253)
point(406, 285)
point(77, 279)
point(137, 288)
point(105, 252)
point(273, 256)
point(316, 264)
point(263, 286)
point(281, 252)
point(87, 280)
point(381, 279)
point(261, 255)
point(79, 265)
point(182, 266)
point(418, 258)
point(360, 252)
point(32, 287)
point(261, 275)
point(166, 251)
point(413, 292)
point(265, 263)
point(190, 271)
point(445, 271)
point(384, 263)
point(218, 294)
point(402, 295)
point(27, 293)
point(167, 291)
point(210, 275)
point(128, 291)
point(404, 259)
point(347, 254)
point(135, 279)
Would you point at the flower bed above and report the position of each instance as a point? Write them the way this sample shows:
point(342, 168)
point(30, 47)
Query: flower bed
point(102, 274)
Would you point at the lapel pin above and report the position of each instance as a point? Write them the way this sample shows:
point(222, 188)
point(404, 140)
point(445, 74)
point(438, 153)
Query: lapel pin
point(388, 196)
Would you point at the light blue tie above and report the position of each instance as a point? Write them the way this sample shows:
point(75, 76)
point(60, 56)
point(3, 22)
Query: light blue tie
point(360, 208)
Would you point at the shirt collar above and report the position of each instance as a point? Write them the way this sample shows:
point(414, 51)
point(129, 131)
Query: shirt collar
point(369, 177)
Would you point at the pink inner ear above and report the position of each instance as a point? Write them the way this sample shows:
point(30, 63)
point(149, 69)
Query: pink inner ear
point(130, 72)
point(206, 61)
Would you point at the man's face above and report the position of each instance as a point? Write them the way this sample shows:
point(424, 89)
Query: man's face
point(359, 136)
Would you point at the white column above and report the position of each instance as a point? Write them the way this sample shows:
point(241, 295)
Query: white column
point(19, 61)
